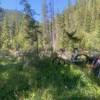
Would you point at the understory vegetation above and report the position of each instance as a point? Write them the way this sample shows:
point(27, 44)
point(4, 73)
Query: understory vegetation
point(45, 81)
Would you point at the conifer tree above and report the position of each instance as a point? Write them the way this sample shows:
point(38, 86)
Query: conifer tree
point(29, 26)
point(5, 33)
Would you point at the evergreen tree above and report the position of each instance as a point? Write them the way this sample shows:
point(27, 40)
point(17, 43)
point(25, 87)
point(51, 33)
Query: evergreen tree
point(5, 33)
point(29, 26)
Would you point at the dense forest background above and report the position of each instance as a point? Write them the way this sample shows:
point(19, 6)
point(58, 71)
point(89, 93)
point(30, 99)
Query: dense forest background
point(30, 75)
point(76, 25)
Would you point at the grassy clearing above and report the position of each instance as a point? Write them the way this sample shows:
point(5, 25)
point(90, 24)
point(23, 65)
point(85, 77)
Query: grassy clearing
point(44, 81)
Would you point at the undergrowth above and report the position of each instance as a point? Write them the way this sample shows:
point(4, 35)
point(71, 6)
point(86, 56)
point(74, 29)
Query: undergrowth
point(45, 81)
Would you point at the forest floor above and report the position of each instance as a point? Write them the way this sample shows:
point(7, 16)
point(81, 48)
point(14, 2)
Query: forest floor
point(45, 81)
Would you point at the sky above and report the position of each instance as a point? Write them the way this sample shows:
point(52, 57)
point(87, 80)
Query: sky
point(60, 5)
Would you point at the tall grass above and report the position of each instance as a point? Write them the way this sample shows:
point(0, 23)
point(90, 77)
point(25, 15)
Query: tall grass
point(45, 81)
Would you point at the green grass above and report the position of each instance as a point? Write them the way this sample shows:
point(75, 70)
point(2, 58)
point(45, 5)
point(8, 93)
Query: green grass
point(44, 81)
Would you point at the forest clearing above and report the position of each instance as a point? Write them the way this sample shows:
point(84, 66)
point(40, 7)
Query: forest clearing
point(50, 50)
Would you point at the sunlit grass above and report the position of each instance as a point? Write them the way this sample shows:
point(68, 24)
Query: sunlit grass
point(46, 81)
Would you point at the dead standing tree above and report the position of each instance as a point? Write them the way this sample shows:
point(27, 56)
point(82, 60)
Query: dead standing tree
point(48, 25)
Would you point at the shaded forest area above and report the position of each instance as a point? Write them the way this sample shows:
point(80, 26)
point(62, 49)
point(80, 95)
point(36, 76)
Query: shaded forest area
point(28, 46)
